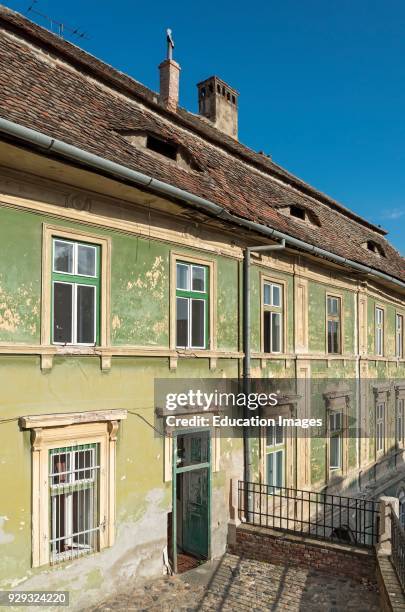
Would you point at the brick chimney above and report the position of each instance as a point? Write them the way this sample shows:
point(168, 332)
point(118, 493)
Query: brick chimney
point(219, 103)
point(169, 83)
point(169, 77)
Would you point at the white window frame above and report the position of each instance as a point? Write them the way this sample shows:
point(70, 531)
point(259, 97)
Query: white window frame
point(380, 427)
point(75, 245)
point(336, 433)
point(399, 335)
point(74, 314)
point(275, 449)
point(276, 311)
point(379, 331)
point(400, 421)
point(334, 318)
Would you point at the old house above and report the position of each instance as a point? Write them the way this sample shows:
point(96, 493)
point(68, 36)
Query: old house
point(126, 223)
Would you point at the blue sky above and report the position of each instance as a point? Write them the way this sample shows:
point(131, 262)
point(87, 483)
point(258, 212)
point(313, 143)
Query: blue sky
point(322, 83)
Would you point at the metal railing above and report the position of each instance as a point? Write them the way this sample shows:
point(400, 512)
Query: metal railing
point(321, 515)
point(398, 547)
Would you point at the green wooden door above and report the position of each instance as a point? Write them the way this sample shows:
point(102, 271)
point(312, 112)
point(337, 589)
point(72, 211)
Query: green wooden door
point(191, 493)
point(195, 520)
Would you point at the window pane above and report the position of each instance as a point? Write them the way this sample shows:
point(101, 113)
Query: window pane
point(333, 337)
point(279, 468)
point(198, 283)
point(279, 434)
point(335, 452)
point(266, 294)
point(276, 295)
point(197, 323)
point(270, 471)
point(333, 306)
point(182, 276)
point(85, 314)
point(182, 322)
point(63, 256)
point(275, 332)
point(269, 435)
point(62, 312)
point(86, 260)
point(266, 331)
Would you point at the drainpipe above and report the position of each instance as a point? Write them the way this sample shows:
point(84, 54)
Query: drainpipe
point(247, 448)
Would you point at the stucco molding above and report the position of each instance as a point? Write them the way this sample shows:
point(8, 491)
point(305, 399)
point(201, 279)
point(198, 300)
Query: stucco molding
point(38, 422)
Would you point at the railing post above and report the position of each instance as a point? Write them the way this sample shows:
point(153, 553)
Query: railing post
point(384, 546)
point(234, 520)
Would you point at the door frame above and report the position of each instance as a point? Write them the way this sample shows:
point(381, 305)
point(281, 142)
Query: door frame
point(175, 472)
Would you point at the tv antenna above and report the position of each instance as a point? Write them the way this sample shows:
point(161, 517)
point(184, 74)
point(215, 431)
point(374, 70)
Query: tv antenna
point(58, 27)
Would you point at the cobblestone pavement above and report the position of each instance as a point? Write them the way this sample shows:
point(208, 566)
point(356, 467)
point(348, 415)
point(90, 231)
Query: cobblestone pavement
point(234, 584)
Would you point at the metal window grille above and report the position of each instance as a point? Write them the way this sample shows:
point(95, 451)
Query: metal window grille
point(320, 515)
point(74, 501)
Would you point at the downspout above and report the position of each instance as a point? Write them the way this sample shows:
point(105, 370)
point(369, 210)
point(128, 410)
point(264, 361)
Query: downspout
point(247, 447)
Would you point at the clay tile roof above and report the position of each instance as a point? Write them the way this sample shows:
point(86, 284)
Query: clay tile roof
point(51, 85)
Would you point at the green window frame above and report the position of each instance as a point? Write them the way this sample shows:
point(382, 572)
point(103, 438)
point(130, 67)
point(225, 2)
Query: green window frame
point(275, 457)
point(75, 295)
point(192, 305)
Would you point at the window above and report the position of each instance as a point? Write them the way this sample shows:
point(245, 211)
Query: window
point(399, 335)
point(192, 305)
point(334, 307)
point(297, 212)
point(275, 456)
point(380, 427)
point(335, 440)
point(164, 147)
point(74, 501)
point(75, 292)
point(273, 324)
point(399, 429)
point(73, 483)
point(374, 247)
point(379, 331)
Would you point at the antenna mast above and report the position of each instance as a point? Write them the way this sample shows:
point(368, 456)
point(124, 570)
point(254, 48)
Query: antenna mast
point(61, 27)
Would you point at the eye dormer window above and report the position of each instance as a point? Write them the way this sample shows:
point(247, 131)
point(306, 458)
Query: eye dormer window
point(298, 212)
point(374, 248)
point(163, 147)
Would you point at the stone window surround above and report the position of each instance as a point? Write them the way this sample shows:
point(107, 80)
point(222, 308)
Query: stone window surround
point(382, 395)
point(64, 429)
point(287, 410)
point(337, 401)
